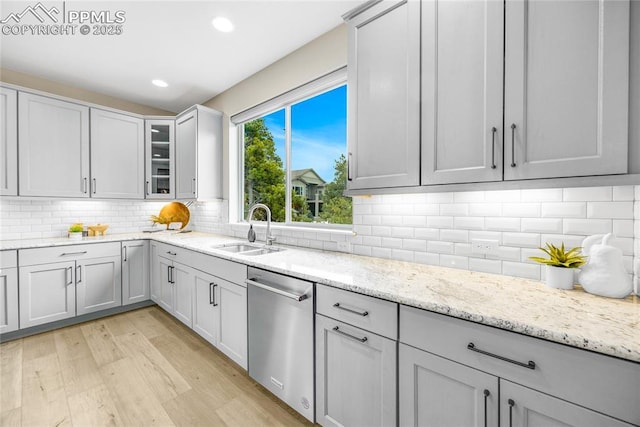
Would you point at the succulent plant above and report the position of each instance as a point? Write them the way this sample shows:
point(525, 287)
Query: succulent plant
point(76, 228)
point(559, 257)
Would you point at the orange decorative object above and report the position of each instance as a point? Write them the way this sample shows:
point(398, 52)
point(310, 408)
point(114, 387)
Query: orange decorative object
point(97, 230)
point(173, 212)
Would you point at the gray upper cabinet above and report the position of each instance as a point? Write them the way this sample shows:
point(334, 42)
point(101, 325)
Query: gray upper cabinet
point(53, 147)
point(117, 155)
point(199, 154)
point(160, 159)
point(566, 88)
point(8, 142)
point(462, 78)
point(384, 96)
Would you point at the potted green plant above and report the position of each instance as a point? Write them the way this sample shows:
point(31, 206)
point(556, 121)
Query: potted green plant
point(75, 231)
point(560, 265)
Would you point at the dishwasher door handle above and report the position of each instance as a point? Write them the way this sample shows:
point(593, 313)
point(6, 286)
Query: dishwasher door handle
point(276, 290)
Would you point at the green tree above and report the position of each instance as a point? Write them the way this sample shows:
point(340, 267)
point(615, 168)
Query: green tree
point(264, 178)
point(337, 209)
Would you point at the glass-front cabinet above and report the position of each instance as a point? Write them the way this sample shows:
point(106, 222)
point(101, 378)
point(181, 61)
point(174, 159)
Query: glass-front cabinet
point(160, 155)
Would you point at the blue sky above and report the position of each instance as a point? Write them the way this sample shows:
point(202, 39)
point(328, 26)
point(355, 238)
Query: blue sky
point(319, 133)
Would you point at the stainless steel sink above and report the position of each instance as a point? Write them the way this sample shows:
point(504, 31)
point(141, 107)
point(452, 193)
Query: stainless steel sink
point(247, 249)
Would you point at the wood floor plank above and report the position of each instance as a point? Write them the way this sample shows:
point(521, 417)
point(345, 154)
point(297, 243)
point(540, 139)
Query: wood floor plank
point(120, 325)
point(133, 398)
point(94, 407)
point(192, 409)
point(10, 375)
point(79, 375)
point(38, 345)
point(44, 401)
point(101, 342)
point(145, 323)
point(179, 329)
point(70, 343)
point(11, 418)
point(166, 383)
point(243, 411)
point(200, 372)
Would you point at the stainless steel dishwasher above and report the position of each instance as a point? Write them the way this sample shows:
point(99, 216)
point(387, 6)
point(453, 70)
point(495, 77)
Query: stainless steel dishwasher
point(281, 344)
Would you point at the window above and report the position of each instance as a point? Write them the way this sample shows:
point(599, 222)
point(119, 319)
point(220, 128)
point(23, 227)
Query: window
point(294, 156)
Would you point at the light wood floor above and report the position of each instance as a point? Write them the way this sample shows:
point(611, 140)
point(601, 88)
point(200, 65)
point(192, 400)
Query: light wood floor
point(141, 368)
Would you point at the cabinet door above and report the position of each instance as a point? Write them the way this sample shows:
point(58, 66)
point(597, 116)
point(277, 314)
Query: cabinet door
point(47, 293)
point(98, 284)
point(205, 315)
point(231, 304)
point(437, 392)
point(566, 88)
point(8, 142)
point(355, 376)
point(165, 284)
point(156, 273)
point(186, 145)
point(160, 157)
point(8, 300)
point(462, 77)
point(135, 271)
point(524, 407)
point(183, 278)
point(384, 96)
point(53, 147)
point(117, 139)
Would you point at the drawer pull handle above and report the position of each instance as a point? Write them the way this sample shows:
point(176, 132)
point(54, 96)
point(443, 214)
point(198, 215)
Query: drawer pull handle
point(511, 403)
point(529, 365)
point(363, 339)
point(73, 253)
point(172, 253)
point(361, 313)
point(486, 395)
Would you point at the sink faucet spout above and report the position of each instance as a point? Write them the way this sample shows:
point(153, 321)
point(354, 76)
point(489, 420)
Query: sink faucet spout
point(269, 238)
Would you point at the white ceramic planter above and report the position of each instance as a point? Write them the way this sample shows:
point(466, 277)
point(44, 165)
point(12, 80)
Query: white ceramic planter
point(559, 277)
point(75, 235)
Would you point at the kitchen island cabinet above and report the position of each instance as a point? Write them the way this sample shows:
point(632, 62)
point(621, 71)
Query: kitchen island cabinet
point(8, 142)
point(53, 147)
point(8, 291)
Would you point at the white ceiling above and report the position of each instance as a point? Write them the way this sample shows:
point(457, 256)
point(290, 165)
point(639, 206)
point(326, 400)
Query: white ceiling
point(169, 40)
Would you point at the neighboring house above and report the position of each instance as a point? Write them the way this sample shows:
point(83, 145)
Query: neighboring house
point(307, 183)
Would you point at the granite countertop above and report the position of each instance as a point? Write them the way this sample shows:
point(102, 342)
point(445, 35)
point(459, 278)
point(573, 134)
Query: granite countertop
point(576, 318)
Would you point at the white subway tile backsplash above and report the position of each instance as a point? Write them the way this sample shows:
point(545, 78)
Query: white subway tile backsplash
point(564, 210)
point(454, 235)
point(588, 194)
point(541, 225)
point(468, 223)
point(502, 224)
point(623, 193)
point(587, 226)
point(615, 210)
point(429, 228)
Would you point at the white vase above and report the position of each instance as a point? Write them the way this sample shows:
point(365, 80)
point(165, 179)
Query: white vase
point(559, 277)
point(76, 235)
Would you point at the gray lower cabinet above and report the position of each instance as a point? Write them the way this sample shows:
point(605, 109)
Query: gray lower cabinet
point(355, 376)
point(450, 371)
point(8, 291)
point(58, 283)
point(174, 288)
point(135, 271)
point(437, 392)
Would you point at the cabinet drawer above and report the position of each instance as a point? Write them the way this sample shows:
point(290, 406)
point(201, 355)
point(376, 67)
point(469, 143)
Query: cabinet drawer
point(372, 314)
point(8, 259)
point(603, 383)
point(228, 270)
point(174, 253)
point(66, 253)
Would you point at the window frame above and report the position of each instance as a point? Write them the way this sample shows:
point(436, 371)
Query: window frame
point(284, 102)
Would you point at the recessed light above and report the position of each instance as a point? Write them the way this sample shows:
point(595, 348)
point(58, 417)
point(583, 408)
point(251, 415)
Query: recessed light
point(221, 23)
point(159, 83)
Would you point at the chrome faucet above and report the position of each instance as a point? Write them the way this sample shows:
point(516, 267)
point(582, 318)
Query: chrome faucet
point(251, 236)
